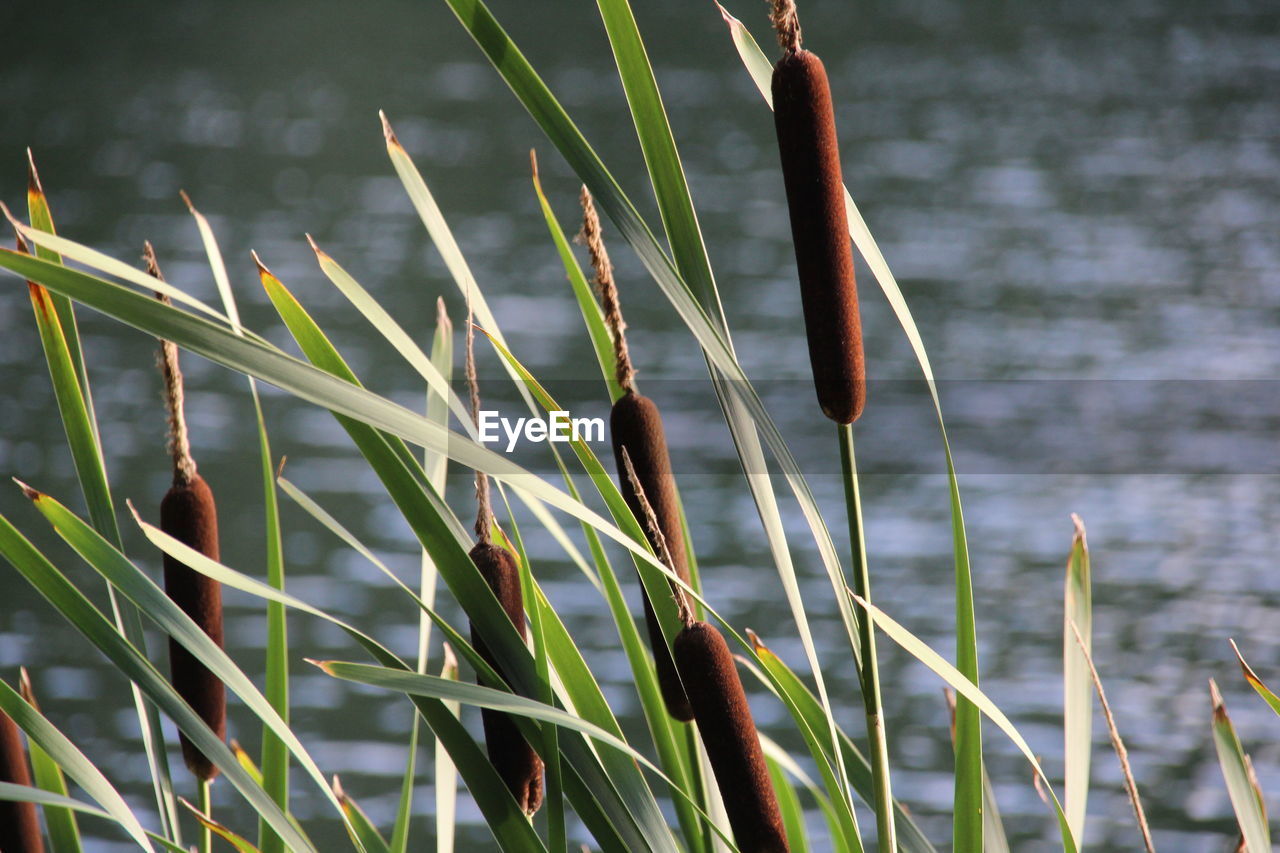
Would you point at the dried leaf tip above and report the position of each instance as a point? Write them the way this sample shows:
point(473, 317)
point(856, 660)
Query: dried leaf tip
point(724, 13)
point(25, 689)
point(32, 494)
point(315, 248)
point(786, 24)
point(186, 199)
point(338, 790)
point(533, 164)
point(484, 509)
point(1215, 699)
point(757, 645)
point(442, 317)
point(153, 265)
point(33, 177)
point(257, 261)
point(1079, 535)
point(387, 132)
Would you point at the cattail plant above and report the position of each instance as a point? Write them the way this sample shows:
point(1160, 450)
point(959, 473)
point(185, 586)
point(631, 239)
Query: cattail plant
point(635, 425)
point(719, 706)
point(19, 824)
point(188, 514)
point(515, 760)
point(806, 127)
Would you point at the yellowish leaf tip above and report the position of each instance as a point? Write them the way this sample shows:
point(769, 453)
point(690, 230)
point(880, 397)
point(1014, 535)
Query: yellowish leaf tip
point(338, 790)
point(756, 643)
point(32, 494)
point(33, 177)
point(1079, 535)
point(450, 661)
point(533, 163)
point(322, 664)
point(263, 272)
point(387, 132)
point(24, 687)
point(280, 467)
point(442, 316)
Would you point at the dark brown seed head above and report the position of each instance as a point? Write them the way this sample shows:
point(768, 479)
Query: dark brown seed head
point(188, 514)
point(636, 424)
point(516, 762)
point(729, 736)
point(19, 825)
point(805, 122)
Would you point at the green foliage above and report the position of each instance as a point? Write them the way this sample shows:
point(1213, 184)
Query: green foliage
point(617, 785)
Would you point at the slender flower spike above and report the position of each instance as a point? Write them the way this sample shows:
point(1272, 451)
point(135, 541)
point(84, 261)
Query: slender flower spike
point(805, 122)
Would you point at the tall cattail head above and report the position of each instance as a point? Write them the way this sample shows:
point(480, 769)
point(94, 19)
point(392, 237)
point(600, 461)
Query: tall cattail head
point(635, 426)
point(19, 824)
point(805, 123)
point(729, 735)
point(188, 513)
point(511, 755)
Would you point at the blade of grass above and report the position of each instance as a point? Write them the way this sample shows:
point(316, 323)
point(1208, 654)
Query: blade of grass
point(498, 807)
point(1077, 686)
point(66, 756)
point(1255, 682)
point(87, 619)
point(75, 408)
point(446, 775)
point(275, 756)
point(789, 806)
point(64, 832)
point(968, 826)
point(152, 600)
point(211, 827)
point(922, 652)
point(1130, 784)
point(365, 828)
point(1250, 810)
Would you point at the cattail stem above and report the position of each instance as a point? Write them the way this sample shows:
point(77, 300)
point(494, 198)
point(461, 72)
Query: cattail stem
point(869, 674)
point(189, 513)
point(19, 824)
point(591, 236)
point(184, 466)
point(204, 804)
point(729, 736)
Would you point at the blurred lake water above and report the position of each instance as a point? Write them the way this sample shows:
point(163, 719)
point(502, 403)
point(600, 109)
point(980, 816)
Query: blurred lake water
point(1080, 201)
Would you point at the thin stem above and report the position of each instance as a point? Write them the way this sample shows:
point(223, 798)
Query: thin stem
point(683, 609)
point(887, 835)
point(484, 508)
point(184, 467)
point(203, 803)
point(786, 24)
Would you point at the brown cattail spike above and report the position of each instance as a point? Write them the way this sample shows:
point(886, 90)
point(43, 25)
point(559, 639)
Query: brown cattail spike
point(635, 426)
point(806, 128)
point(513, 758)
point(729, 736)
point(19, 824)
point(188, 513)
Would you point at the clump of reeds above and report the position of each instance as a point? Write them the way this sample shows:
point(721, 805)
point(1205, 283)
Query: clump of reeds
point(19, 824)
point(635, 426)
point(511, 755)
point(719, 706)
point(805, 122)
point(188, 513)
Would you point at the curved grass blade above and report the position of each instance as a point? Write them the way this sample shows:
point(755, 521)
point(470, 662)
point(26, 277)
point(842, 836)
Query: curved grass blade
point(76, 412)
point(922, 652)
point(1077, 684)
point(239, 843)
point(967, 832)
point(1246, 799)
point(499, 808)
point(592, 315)
point(275, 755)
point(386, 325)
point(64, 754)
point(134, 584)
point(373, 840)
point(64, 832)
point(1255, 682)
point(87, 619)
